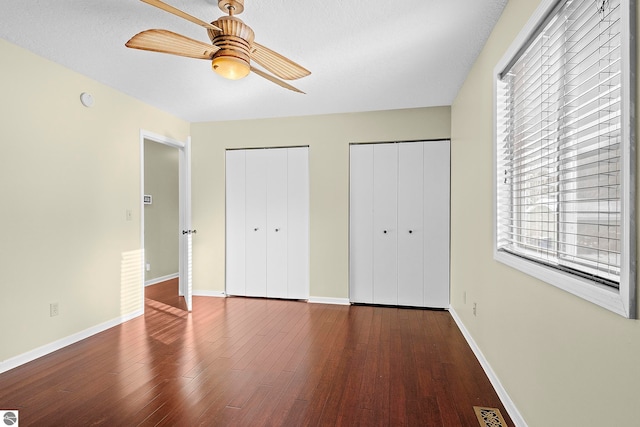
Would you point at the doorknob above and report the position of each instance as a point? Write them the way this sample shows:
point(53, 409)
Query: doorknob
point(384, 231)
point(410, 231)
point(277, 229)
point(255, 229)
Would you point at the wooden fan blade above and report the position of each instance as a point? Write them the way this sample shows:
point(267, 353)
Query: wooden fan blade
point(181, 14)
point(169, 42)
point(276, 63)
point(275, 80)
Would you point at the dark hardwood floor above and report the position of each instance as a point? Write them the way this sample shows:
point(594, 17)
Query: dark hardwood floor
point(257, 362)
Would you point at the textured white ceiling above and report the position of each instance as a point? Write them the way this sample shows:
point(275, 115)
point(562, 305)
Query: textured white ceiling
point(364, 55)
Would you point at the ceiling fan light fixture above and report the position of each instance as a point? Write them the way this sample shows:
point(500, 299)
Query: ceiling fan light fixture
point(232, 48)
point(230, 67)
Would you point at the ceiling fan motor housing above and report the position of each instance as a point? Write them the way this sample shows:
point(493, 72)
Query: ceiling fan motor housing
point(234, 40)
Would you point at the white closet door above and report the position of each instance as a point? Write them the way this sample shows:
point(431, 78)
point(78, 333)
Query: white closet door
point(298, 223)
point(385, 219)
point(361, 223)
point(436, 220)
point(235, 230)
point(256, 223)
point(410, 224)
point(277, 227)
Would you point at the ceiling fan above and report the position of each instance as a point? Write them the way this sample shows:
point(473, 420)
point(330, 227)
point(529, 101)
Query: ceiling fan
point(231, 50)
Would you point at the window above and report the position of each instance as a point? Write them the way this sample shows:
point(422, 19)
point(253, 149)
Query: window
point(563, 144)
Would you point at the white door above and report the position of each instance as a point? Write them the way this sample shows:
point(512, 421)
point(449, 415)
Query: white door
point(298, 223)
point(185, 232)
point(186, 272)
point(385, 220)
point(277, 222)
point(361, 223)
point(436, 221)
point(256, 223)
point(235, 222)
point(410, 224)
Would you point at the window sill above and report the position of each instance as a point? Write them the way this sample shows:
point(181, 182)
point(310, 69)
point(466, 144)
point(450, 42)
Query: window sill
point(615, 300)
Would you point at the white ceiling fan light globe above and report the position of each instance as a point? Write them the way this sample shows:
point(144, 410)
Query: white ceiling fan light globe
point(230, 67)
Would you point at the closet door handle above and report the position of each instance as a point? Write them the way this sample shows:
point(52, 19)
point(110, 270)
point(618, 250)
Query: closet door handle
point(256, 229)
point(410, 231)
point(384, 231)
point(277, 229)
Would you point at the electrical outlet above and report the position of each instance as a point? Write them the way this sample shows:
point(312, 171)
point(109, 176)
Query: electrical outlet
point(464, 297)
point(474, 308)
point(53, 309)
point(129, 215)
point(148, 267)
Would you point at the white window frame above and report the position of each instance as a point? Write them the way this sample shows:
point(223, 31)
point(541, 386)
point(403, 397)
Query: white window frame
point(622, 300)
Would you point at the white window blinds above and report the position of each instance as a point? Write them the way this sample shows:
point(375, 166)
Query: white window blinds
point(559, 151)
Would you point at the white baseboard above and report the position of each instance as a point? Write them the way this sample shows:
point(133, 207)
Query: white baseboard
point(515, 415)
point(21, 359)
point(161, 279)
point(326, 300)
point(217, 294)
point(316, 300)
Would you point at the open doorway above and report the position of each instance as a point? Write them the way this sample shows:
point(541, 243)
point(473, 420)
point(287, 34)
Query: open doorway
point(166, 220)
point(161, 224)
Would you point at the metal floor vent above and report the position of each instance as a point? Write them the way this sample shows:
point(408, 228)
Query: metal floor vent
point(489, 417)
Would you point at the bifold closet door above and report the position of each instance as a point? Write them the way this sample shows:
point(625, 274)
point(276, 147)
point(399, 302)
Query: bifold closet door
point(277, 223)
point(410, 224)
point(385, 224)
point(256, 222)
point(361, 223)
point(298, 223)
point(373, 221)
point(437, 191)
point(399, 224)
point(235, 188)
point(267, 223)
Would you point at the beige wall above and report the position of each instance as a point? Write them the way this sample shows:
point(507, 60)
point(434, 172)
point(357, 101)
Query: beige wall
point(161, 218)
point(68, 174)
point(563, 361)
point(328, 138)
